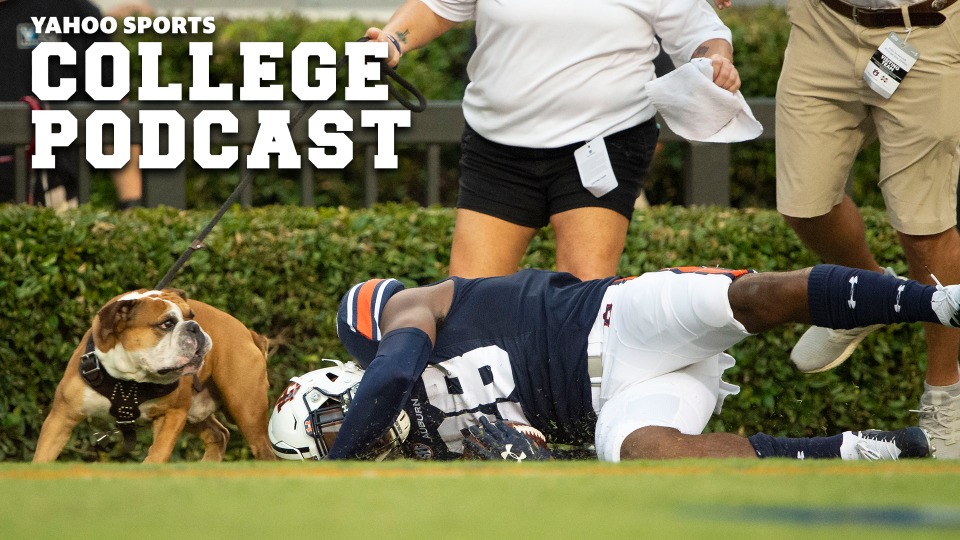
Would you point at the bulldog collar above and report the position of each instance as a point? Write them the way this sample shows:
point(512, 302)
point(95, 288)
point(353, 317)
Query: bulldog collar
point(125, 396)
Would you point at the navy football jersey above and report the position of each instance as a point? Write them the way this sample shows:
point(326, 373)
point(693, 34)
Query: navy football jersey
point(511, 347)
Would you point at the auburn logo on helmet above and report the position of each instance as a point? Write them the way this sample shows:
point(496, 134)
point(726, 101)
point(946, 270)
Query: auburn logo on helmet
point(287, 395)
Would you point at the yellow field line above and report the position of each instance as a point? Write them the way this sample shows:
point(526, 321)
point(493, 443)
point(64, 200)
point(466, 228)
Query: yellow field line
point(308, 471)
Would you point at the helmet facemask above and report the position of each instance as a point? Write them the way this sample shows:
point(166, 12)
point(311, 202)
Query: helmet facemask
point(326, 396)
point(326, 418)
point(329, 417)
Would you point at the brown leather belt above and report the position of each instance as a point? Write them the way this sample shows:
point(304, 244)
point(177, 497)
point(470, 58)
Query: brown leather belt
point(924, 13)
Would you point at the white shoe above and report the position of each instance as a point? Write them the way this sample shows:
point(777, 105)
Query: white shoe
point(946, 304)
point(875, 445)
point(940, 418)
point(822, 349)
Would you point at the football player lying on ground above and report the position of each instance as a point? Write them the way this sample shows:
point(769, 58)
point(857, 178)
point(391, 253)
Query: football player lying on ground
point(308, 416)
point(531, 347)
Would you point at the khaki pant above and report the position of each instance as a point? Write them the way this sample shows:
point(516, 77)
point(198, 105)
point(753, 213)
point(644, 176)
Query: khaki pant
point(826, 113)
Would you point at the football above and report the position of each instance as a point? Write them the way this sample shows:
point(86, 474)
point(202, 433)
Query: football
point(531, 432)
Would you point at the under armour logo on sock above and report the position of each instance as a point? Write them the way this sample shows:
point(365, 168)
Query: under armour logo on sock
point(853, 285)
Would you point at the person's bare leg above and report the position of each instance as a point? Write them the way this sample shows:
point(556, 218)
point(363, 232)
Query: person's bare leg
point(589, 241)
point(837, 237)
point(127, 179)
point(655, 442)
point(939, 253)
point(485, 246)
point(763, 301)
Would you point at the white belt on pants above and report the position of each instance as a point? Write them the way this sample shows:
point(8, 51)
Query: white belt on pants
point(595, 345)
point(596, 342)
point(595, 369)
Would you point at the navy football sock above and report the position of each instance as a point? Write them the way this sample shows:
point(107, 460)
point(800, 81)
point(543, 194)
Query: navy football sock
point(801, 448)
point(842, 298)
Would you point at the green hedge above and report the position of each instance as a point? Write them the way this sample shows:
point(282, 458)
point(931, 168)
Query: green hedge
point(439, 70)
point(282, 270)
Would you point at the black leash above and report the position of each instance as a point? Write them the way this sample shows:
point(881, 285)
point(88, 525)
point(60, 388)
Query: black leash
point(387, 74)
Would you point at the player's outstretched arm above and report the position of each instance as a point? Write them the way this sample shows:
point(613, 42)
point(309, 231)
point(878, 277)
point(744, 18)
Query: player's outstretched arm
point(409, 326)
point(386, 385)
point(411, 27)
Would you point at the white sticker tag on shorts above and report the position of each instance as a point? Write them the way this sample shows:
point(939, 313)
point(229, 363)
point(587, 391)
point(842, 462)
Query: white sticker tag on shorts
point(889, 65)
point(596, 172)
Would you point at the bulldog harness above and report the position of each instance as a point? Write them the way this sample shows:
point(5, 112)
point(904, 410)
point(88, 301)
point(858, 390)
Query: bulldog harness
point(125, 396)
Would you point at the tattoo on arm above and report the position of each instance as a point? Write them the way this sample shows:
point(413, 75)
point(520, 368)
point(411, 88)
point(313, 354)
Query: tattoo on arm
point(701, 52)
point(402, 36)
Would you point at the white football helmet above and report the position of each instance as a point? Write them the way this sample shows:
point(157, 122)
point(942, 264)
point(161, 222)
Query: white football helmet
point(316, 403)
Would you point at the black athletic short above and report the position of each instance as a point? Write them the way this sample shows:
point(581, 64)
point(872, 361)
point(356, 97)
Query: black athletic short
point(526, 186)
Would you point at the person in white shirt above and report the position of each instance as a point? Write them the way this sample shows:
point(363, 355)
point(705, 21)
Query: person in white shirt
point(547, 77)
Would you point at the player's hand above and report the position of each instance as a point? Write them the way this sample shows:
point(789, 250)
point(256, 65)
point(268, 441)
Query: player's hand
point(393, 55)
point(724, 74)
point(498, 442)
point(721, 4)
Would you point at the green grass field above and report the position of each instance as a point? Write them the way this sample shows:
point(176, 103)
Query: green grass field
point(686, 499)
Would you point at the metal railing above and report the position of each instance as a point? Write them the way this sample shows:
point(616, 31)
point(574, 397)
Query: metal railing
point(706, 165)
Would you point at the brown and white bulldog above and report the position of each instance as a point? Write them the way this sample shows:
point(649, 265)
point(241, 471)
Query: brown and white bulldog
point(160, 337)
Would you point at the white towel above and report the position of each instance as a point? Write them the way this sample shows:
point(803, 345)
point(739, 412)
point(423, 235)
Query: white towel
point(698, 110)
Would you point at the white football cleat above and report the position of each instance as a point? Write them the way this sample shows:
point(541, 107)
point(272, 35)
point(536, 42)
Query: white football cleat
point(946, 304)
point(875, 445)
point(822, 349)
